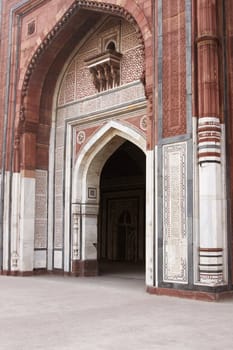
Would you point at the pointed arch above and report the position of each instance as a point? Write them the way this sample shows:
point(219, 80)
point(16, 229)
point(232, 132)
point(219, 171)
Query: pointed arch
point(95, 153)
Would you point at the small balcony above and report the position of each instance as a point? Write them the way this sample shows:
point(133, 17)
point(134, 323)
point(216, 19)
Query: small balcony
point(105, 69)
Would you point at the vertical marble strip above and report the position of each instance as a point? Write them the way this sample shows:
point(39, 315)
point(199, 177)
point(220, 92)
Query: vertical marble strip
point(175, 241)
point(51, 172)
point(76, 231)
point(16, 179)
point(27, 224)
point(41, 219)
point(59, 188)
point(174, 68)
point(151, 228)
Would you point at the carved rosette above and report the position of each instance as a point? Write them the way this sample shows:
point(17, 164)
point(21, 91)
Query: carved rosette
point(143, 123)
point(209, 140)
point(81, 137)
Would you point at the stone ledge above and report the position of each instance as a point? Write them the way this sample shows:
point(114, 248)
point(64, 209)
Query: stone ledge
point(190, 294)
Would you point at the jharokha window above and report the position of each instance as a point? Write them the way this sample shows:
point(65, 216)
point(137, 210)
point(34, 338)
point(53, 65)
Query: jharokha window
point(105, 68)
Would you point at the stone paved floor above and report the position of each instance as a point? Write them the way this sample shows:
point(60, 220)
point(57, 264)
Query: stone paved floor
point(107, 312)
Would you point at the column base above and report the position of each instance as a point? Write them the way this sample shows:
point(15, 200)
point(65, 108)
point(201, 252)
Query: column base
point(191, 294)
point(88, 268)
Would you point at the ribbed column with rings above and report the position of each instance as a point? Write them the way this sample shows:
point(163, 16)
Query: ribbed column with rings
point(211, 167)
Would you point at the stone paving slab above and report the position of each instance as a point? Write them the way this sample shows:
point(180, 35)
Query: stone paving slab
point(112, 313)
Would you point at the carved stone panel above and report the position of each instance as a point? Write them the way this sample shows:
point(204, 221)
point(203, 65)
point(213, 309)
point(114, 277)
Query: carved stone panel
point(174, 213)
point(41, 209)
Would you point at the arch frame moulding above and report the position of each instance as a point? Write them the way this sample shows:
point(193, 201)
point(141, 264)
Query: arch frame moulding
point(80, 233)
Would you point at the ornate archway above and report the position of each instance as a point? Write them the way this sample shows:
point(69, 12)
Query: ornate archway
point(86, 191)
point(35, 109)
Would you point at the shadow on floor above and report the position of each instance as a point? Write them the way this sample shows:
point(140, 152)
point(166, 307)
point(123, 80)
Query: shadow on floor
point(122, 269)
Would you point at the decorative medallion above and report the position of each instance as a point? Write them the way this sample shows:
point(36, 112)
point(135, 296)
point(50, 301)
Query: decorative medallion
point(81, 136)
point(31, 27)
point(143, 123)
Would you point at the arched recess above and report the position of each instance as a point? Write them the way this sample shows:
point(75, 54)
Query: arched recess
point(41, 75)
point(86, 190)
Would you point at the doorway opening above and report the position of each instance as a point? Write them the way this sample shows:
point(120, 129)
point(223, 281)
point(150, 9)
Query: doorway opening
point(121, 228)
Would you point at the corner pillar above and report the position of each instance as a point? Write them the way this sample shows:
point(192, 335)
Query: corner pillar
point(210, 157)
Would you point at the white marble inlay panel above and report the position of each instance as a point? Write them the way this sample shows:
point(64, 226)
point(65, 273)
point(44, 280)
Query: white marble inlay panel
point(100, 102)
point(58, 234)
point(175, 267)
point(60, 136)
point(57, 259)
point(41, 208)
point(58, 182)
point(59, 158)
point(40, 259)
point(40, 233)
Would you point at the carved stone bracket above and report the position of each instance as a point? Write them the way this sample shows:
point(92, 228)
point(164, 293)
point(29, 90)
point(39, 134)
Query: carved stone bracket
point(105, 70)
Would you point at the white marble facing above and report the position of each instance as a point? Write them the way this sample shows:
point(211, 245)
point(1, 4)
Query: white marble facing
point(213, 219)
point(41, 214)
point(175, 241)
point(40, 259)
point(15, 221)
point(57, 259)
point(27, 224)
point(224, 203)
point(196, 237)
point(151, 225)
point(117, 98)
point(67, 194)
point(51, 195)
point(210, 205)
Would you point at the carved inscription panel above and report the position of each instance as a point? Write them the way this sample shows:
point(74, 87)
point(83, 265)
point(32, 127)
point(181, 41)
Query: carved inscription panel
point(41, 209)
point(174, 213)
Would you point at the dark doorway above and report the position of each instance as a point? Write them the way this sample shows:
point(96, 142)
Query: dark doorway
point(121, 237)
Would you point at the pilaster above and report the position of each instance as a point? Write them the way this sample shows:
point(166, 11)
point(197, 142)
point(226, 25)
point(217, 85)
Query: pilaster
point(210, 157)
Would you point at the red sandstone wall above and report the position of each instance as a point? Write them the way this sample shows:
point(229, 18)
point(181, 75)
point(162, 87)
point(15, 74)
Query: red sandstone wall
point(174, 71)
point(46, 14)
point(3, 59)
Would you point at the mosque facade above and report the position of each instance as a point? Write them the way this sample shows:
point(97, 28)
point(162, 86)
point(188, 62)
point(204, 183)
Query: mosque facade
point(115, 140)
